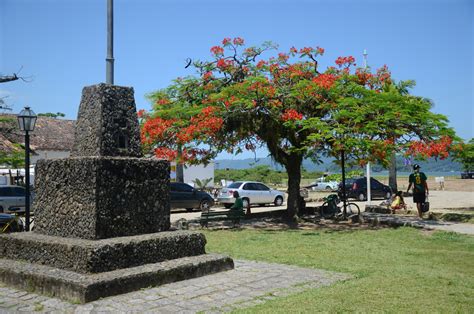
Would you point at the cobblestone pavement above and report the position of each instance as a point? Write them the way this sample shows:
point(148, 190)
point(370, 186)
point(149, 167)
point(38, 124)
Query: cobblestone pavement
point(249, 284)
point(396, 220)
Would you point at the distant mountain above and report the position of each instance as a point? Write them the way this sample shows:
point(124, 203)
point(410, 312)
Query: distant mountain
point(328, 165)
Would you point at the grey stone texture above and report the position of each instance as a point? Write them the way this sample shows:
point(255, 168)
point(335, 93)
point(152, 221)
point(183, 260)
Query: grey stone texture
point(82, 288)
point(107, 123)
point(102, 215)
point(249, 284)
point(101, 197)
point(93, 256)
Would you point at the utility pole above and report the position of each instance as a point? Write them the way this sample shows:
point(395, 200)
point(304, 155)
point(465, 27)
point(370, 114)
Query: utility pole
point(369, 194)
point(109, 75)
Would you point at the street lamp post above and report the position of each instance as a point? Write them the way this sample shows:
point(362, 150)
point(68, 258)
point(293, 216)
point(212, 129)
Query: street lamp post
point(26, 122)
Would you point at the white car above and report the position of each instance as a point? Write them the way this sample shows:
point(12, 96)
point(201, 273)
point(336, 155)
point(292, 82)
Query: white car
point(250, 192)
point(324, 186)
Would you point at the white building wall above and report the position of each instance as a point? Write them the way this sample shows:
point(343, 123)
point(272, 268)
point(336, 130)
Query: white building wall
point(194, 172)
point(48, 154)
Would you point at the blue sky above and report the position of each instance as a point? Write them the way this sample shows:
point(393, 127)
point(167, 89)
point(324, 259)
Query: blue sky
point(62, 44)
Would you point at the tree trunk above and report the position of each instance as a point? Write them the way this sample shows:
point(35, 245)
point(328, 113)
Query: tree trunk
point(293, 168)
point(179, 166)
point(392, 176)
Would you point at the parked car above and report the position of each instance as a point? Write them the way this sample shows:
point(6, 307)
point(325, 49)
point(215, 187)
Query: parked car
point(467, 175)
point(324, 186)
point(250, 192)
point(357, 188)
point(183, 195)
point(13, 196)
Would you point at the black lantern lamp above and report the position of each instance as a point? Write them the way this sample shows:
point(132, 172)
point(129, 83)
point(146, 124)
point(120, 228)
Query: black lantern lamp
point(26, 122)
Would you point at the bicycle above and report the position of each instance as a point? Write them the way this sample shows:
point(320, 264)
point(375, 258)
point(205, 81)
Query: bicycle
point(333, 208)
point(14, 222)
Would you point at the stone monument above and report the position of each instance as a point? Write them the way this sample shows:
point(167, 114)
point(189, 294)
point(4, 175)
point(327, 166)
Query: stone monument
point(102, 216)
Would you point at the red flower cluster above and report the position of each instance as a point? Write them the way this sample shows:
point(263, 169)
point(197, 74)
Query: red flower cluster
point(306, 50)
point(439, 148)
point(141, 113)
point(166, 153)
point(383, 74)
point(293, 50)
point(325, 80)
point(291, 114)
point(283, 57)
point(207, 76)
point(224, 64)
point(345, 60)
point(238, 41)
point(217, 50)
point(261, 63)
point(320, 50)
point(155, 128)
point(226, 41)
point(363, 76)
point(163, 101)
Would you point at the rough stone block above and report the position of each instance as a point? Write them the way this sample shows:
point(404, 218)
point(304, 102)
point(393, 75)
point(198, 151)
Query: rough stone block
point(107, 123)
point(94, 256)
point(101, 197)
point(76, 287)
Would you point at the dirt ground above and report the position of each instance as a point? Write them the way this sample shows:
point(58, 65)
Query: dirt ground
point(450, 184)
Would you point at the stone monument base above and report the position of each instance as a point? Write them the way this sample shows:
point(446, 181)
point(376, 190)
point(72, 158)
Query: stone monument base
point(81, 270)
point(96, 256)
point(82, 288)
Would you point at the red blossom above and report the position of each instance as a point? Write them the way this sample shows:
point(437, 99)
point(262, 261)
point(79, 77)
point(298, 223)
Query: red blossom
point(261, 63)
point(163, 101)
point(141, 113)
point(226, 41)
point(325, 80)
point(207, 76)
point(306, 50)
point(238, 41)
point(439, 148)
point(224, 64)
point(217, 50)
point(320, 50)
point(293, 50)
point(283, 57)
point(291, 114)
point(345, 61)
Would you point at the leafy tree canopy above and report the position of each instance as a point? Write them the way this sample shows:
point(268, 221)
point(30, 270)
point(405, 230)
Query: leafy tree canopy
point(286, 103)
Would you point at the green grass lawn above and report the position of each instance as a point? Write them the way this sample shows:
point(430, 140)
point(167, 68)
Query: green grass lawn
point(395, 270)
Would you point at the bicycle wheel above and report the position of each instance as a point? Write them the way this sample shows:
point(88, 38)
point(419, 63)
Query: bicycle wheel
point(352, 209)
point(326, 210)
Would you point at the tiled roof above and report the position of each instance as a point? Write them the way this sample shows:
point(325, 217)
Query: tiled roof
point(49, 134)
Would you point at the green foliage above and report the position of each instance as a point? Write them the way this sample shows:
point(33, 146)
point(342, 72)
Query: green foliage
point(350, 174)
point(394, 270)
point(52, 115)
point(260, 173)
point(202, 184)
point(465, 155)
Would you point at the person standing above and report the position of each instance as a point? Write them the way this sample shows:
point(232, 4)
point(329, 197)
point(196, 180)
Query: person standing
point(420, 188)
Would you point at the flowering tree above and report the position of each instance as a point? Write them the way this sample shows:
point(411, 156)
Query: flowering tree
point(288, 105)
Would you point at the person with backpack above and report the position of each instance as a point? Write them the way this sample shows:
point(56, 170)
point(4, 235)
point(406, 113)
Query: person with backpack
point(420, 188)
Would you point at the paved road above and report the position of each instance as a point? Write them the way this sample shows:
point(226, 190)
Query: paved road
point(249, 284)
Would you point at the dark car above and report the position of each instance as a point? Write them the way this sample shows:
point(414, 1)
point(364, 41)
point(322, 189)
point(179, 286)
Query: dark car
point(357, 188)
point(183, 195)
point(13, 197)
point(467, 175)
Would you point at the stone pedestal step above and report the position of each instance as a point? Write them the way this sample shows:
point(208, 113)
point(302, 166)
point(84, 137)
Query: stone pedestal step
point(82, 288)
point(95, 256)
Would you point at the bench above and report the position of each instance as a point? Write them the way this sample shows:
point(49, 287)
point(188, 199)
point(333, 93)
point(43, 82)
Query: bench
point(233, 215)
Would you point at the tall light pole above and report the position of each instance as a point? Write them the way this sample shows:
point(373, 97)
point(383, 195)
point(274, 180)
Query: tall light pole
point(26, 122)
point(369, 196)
point(109, 76)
